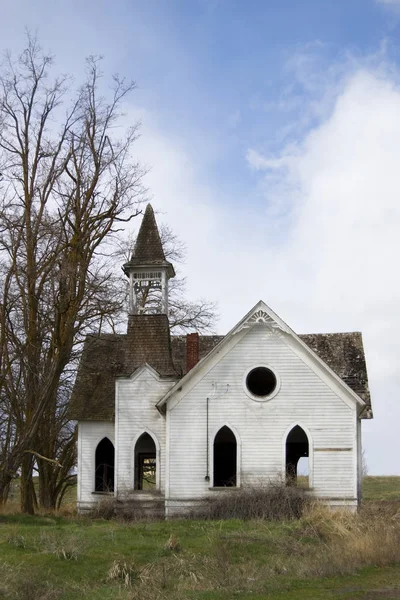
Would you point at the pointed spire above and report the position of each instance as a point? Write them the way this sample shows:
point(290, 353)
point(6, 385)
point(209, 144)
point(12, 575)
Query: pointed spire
point(148, 247)
point(148, 266)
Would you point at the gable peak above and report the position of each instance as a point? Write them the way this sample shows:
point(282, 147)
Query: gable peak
point(261, 314)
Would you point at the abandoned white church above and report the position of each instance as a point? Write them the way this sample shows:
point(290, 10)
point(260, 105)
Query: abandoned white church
point(180, 418)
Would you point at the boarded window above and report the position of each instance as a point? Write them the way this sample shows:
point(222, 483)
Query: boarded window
point(104, 474)
point(145, 463)
point(225, 458)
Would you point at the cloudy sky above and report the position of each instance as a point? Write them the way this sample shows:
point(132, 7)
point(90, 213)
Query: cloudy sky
point(272, 129)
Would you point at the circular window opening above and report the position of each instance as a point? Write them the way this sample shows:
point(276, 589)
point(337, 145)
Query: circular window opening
point(261, 381)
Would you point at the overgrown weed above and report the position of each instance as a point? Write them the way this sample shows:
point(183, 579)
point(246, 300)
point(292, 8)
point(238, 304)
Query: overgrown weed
point(66, 546)
point(104, 509)
point(273, 501)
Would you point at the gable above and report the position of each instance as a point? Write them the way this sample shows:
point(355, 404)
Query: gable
point(342, 352)
point(302, 389)
point(263, 316)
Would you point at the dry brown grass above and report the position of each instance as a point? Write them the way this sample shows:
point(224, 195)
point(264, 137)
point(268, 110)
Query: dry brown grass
point(64, 546)
point(350, 541)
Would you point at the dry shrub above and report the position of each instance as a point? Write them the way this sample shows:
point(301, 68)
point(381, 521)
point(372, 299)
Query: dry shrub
point(172, 544)
point(104, 509)
point(129, 508)
point(272, 502)
point(64, 546)
point(121, 570)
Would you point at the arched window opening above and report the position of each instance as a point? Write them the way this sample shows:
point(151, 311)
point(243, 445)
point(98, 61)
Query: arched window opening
point(145, 463)
point(297, 458)
point(105, 460)
point(225, 458)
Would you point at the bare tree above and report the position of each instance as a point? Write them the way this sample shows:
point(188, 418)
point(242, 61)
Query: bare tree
point(67, 184)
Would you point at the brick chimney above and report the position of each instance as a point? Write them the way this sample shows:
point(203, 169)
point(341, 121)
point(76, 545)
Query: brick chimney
point(192, 350)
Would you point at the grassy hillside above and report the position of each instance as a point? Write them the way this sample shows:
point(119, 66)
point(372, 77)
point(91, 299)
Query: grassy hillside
point(381, 488)
point(321, 556)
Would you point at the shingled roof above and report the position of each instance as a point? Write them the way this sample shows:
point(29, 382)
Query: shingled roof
point(109, 356)
point(148, 249)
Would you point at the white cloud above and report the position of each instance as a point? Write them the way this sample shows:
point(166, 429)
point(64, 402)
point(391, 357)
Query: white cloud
point(340, 268)
point(389, 2)
point(335, 268)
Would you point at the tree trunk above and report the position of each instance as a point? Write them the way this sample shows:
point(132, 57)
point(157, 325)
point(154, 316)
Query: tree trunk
point(5, 482)
point(27, 488)
point(47, 491)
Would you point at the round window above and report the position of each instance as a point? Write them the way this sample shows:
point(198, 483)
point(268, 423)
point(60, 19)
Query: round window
point(261, 382)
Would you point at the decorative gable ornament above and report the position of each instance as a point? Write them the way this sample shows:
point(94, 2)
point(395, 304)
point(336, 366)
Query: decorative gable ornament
point(260, 317)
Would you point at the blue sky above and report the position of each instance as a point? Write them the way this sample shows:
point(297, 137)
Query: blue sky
point(272, 129)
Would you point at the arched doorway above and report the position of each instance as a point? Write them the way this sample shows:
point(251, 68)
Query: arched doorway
point(145, 463)
point(225, 458)
point(297, 454)
point(104, 469)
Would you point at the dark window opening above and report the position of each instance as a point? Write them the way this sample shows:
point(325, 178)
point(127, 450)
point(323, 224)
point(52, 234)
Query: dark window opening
point(225, 458)
point(297, 451)
point(145, 463)
point(104, 473)
point(261, 381)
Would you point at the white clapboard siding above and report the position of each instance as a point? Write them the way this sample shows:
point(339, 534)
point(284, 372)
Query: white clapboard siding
point(135, 414)
point(304, 398)
point(90, 433)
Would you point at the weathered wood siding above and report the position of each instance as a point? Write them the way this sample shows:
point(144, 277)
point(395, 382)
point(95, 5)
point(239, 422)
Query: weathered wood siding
point(90, 433)
point(136, 414)
point(304, 398)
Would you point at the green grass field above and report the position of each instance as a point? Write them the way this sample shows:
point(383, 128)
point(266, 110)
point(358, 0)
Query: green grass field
point(317, 557)
point(381, 488)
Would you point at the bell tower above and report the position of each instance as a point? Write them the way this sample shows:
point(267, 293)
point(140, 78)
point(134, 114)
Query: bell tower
point(148, 270)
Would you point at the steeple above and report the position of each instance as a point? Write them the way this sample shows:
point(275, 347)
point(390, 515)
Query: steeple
point(148, 270)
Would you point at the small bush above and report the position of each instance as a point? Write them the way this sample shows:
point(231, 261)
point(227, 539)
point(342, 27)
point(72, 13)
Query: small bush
point(172, 544)
point(272, 502)
point(104, 509)
point(120, 570)
point(66, 547)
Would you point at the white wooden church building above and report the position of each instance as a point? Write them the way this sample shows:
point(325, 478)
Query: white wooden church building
point(180, 418)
